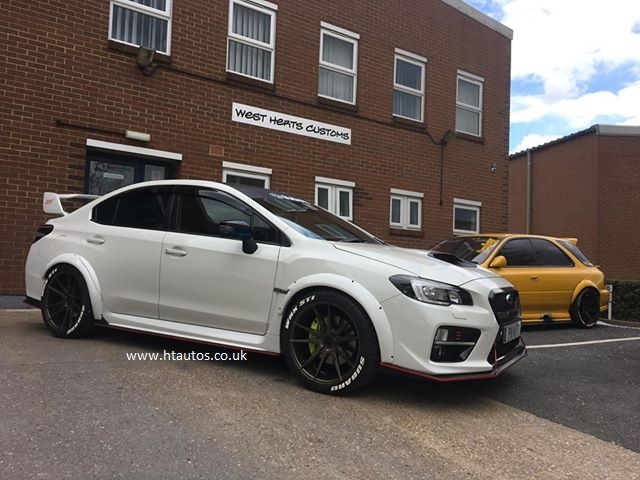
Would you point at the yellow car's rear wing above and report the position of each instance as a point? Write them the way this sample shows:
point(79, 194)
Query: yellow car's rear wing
point(52, 202)
point(573, 241)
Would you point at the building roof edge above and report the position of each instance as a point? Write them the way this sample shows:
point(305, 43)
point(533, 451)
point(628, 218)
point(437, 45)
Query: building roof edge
point(480, 17)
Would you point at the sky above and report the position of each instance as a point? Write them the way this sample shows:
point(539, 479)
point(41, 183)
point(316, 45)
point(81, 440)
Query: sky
point(574, 63)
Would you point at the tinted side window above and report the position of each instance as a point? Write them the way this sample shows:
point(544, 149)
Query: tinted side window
point(576, 252)
point(146, 208)
point(548, 255)
point(518, 253)
point(103, 213)
point(201, 212)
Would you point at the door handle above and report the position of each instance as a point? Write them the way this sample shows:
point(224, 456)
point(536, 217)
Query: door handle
point(96, 240)
point(535, 279)
point(176, 252)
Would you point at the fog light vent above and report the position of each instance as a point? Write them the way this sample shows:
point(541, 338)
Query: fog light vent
point(453, 344)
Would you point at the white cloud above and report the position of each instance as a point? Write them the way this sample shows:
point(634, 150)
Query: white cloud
point(533, 140)
point(582, 111)
point(563, 43)
point(574, 63)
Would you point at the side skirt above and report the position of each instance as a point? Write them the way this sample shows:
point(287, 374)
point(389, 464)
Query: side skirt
point(264, 344)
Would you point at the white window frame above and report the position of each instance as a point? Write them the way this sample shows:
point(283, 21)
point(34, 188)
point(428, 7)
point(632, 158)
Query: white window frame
point(476, 80)
point(246, 171)
point(406, 198)
point(418, 61)
point(336, 186)
point(152, 12)
point(472, 205)
point(261, 6)
point(347, 36)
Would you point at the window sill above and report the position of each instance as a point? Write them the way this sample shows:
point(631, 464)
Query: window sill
point(337, 105)
point(406, 232)
point(469, 137)
point(237, 79)
point(133, 50)
point(410, 124)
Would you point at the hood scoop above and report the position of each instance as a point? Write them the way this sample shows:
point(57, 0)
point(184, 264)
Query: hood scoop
point(452, 259)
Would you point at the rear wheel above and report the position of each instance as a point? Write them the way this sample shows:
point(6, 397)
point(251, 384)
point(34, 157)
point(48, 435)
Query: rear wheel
point(329, 343)
point(585, 309)
point(66, 307)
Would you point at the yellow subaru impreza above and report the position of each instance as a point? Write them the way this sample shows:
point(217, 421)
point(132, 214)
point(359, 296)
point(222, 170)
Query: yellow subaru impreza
point(556, 281)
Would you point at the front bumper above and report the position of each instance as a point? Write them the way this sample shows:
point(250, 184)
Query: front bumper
point(414, 326)
point(500, 365)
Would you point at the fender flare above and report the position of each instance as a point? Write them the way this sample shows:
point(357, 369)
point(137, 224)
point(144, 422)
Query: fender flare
point(581, 286)
point(353, 289)
point(87, 272)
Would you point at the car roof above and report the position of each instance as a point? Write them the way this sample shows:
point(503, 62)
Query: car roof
point(572, 240)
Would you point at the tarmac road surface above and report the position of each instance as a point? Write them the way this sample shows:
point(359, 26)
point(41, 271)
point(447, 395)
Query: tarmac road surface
point(80, 409)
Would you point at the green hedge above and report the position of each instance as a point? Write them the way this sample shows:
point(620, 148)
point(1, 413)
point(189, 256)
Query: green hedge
point(626, 299)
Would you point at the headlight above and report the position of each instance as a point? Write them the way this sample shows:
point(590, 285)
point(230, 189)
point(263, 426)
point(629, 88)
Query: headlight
point(430, 291)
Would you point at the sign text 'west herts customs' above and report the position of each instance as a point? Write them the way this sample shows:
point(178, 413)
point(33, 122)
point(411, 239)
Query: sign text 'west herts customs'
point(288, 123)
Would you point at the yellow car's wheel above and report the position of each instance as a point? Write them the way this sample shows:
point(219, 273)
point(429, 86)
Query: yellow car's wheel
point(585, 309)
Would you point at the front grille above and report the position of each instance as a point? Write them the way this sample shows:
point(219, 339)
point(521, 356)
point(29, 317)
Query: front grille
point(505, 304)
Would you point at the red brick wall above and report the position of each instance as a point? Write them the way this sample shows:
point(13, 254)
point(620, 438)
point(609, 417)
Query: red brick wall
point(619, 207)
point(564, 192)
point(586, 187)
point(56, 63)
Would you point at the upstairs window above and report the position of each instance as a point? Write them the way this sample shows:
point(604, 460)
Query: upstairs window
point(335, 196)
point(408, 85)
point(469, 104)
point(338, 64)
point(143, 23)
point(252, 33)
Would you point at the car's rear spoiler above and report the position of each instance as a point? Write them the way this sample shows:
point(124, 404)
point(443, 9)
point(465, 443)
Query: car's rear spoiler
point(52, 202)
point(573, 241)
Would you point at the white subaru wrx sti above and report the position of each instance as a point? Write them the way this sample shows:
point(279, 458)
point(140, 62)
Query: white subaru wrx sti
point(248, 268)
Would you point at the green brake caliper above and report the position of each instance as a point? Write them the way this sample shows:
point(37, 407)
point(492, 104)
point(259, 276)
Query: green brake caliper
point(313, 337)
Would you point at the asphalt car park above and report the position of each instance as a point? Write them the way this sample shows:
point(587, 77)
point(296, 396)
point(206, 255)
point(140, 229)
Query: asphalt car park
point(80, 409)
point(585, 379)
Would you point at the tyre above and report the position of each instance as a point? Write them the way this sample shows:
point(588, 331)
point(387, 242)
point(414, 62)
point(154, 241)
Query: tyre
point(585, 309)
point(66, 307)
point(329, 343)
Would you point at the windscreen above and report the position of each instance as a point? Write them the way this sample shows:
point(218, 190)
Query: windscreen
point(312, 221)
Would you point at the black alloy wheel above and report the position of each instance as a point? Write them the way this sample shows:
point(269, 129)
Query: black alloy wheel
point(330, 343)
point(585, 309)
point(66, 307)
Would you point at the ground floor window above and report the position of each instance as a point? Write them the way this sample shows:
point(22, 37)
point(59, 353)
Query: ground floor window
point(241, 174)
point(466, 216)
point(107, 172)
point(405, 209)
point(336, 196)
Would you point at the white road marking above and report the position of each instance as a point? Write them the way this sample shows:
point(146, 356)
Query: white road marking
point(591, 342)
point(629, 327)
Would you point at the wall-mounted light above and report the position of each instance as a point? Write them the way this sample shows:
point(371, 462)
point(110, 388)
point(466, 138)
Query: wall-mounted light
point(140, 136)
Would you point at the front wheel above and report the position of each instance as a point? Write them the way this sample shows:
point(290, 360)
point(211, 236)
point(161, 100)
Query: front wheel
point(329, 343)
point(585, 309)
point(66, 306)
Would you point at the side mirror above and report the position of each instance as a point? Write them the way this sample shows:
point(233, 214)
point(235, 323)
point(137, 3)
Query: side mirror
point(242, 231)
point(499, 262)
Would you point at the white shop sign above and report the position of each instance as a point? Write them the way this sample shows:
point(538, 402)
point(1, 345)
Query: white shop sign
point(288, 123)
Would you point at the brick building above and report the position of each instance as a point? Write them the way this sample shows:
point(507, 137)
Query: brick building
point(349, 104)
point(585, 185)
